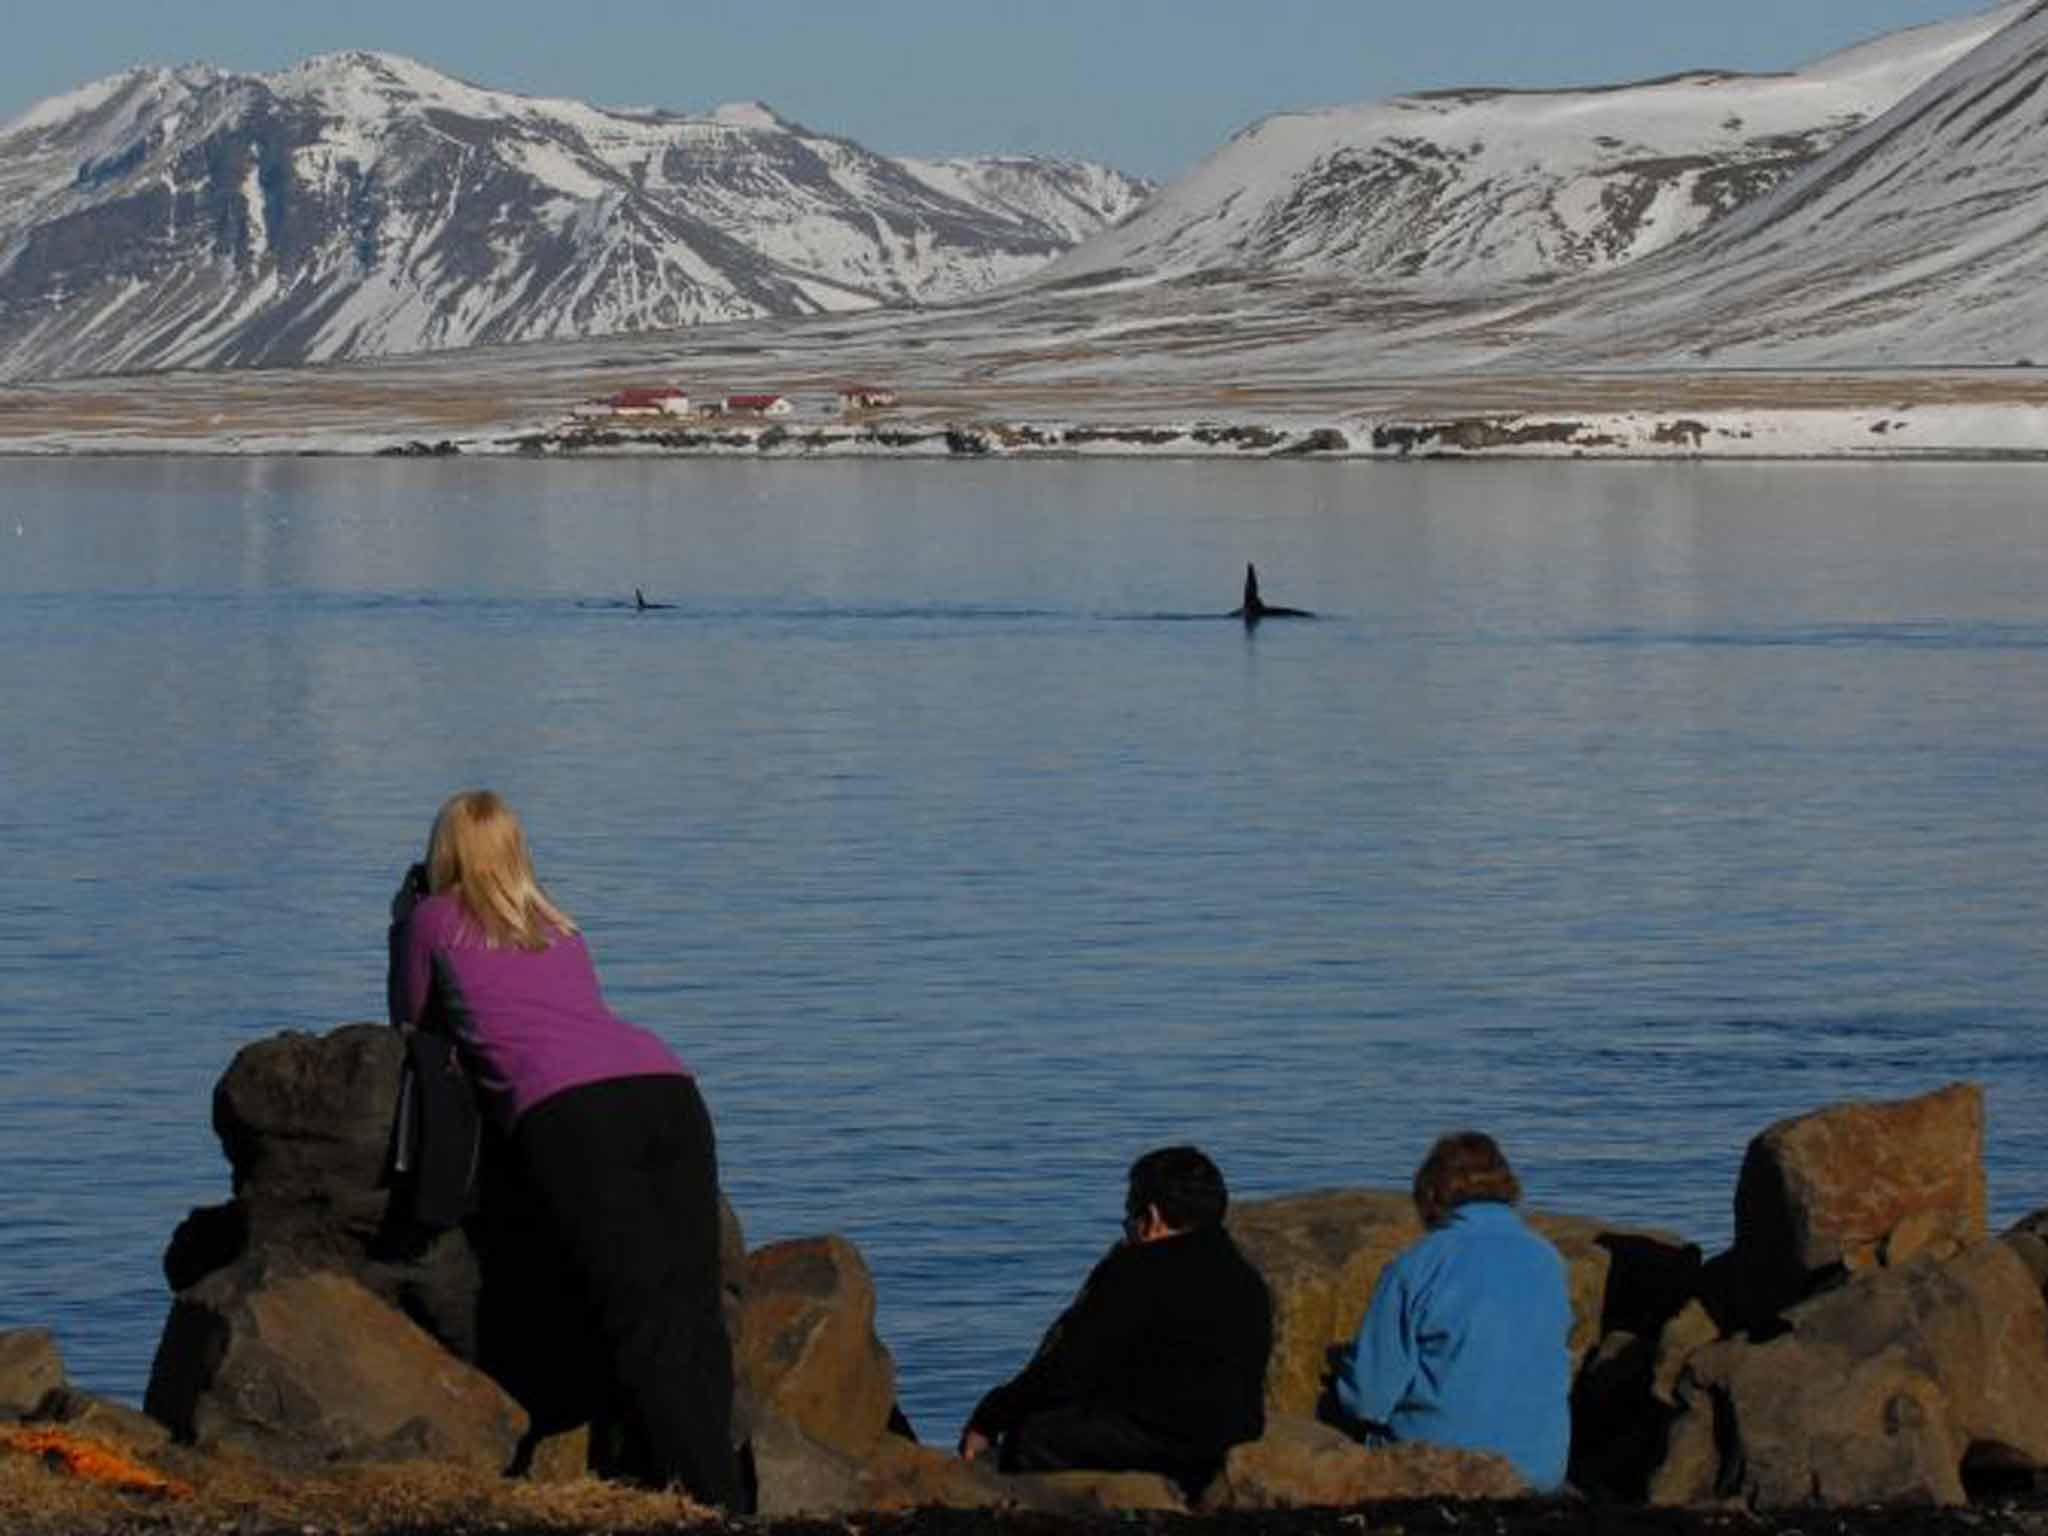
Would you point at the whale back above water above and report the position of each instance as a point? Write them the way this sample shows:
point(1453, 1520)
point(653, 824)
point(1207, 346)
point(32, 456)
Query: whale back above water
point(1253, 609)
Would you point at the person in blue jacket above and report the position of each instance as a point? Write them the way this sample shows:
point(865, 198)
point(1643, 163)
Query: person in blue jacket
point(1464, 1344)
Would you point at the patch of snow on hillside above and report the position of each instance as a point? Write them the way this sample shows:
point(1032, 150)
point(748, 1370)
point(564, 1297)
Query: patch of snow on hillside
point(253, 209)
point(555, 168)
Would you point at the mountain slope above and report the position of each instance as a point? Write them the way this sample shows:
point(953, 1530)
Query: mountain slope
point(362, 204)
point(1469, 188)
point(1921, 239)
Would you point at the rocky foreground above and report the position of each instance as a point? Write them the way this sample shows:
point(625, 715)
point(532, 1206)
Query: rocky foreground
point(1865, 1355)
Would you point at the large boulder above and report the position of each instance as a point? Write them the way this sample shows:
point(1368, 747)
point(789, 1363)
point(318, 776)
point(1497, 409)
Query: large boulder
point(30, 1370)
point(1299, 1463)
point(1855, 1187)
point(301, 1368)
point(807, 1347)
point(1321, 1255)
point(305, 1123)
point(308, 1117)
point(1891, 1388)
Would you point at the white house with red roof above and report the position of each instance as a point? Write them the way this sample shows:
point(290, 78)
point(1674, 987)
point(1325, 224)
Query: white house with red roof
point(757, 405)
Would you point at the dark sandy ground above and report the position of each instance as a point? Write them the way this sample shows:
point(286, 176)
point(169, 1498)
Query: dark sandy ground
point(413, 1501)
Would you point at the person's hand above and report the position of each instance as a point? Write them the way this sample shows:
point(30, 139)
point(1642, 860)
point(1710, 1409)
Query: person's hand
point(973, 1444)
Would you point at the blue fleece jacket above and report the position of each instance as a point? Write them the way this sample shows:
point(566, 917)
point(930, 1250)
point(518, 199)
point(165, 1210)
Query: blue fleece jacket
point(1464, 1344)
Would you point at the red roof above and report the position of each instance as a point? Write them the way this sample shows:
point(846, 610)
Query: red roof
point(751, 402)
point(632, 397)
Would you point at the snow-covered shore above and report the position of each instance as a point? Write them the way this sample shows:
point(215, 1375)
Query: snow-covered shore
point(1985, 430)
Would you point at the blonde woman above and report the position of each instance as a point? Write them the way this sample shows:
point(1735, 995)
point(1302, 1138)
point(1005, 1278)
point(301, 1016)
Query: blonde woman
point(606, 1124)
point(1464, 1341)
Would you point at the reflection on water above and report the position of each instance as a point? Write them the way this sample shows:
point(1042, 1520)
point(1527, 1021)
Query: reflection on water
point(1617, 809)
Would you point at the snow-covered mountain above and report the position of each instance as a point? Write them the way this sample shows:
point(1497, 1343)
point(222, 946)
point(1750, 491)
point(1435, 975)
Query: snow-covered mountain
point(1457, 189)
point(363, 204)
point(1921, 239)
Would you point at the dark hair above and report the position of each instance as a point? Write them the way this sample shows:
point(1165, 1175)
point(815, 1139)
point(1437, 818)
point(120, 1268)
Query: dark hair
point(1183, 1183)
point(1462, 1168)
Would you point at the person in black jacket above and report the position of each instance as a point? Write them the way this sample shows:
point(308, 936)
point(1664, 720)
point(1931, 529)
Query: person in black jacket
point(1160, 1363)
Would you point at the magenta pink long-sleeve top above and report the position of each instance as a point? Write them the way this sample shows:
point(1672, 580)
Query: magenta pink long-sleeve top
point(530, 1023)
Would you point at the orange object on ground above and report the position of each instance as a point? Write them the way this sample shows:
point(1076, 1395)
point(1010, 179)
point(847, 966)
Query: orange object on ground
point(92, 1462)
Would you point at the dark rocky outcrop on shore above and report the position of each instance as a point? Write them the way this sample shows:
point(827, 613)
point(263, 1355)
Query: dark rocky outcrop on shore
point(1864, 1341)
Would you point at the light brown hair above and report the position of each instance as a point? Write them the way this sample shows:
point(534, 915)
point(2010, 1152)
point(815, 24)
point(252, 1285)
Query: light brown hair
point(1461, 1168)
point(478, 851)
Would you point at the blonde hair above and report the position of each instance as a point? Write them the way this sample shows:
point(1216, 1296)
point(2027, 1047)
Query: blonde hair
point(1461, 1168)
point(478, 851)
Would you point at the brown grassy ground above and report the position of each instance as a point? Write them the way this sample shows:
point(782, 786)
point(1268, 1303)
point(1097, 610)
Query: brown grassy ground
point(233, 1499)
point(36, 1498)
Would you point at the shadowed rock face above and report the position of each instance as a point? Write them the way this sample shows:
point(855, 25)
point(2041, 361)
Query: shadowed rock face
point(1888, 1390)
point(305, 1123)
point(309, 1368)
point(309, 1117)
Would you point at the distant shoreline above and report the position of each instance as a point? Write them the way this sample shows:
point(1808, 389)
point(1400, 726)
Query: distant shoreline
point(1984, 436)
point(422, 407)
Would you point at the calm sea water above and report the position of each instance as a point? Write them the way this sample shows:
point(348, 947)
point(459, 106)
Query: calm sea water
point(966, 854)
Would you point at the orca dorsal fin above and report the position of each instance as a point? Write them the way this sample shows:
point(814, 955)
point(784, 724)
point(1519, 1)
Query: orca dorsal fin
point(1251, 588)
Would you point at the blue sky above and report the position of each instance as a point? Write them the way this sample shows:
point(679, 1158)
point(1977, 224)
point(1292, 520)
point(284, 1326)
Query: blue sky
point(1147, 85)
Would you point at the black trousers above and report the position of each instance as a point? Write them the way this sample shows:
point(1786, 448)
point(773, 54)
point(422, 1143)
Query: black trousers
point(626, 1173)
point(1099, 1440)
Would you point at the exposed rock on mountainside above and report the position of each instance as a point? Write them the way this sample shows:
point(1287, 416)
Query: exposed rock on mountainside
point(362, 204)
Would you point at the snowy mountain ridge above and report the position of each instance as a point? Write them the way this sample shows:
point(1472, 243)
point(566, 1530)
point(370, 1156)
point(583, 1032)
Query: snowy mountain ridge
point(1918, 240)
point(361, 203)
point(1465, 188)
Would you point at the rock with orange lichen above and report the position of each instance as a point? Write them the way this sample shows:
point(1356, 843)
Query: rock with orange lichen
point(807, 1347)
point(1858, 1187)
